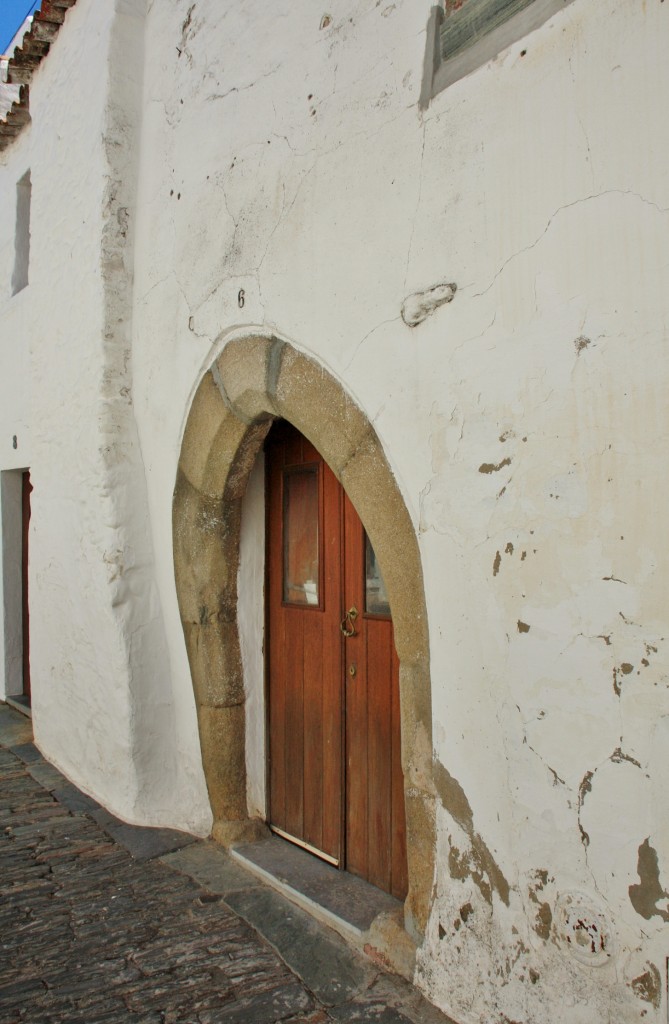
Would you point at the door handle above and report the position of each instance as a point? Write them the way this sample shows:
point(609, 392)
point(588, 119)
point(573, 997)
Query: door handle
point(346, 625)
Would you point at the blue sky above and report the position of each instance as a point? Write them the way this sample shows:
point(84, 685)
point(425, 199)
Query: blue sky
point(12, 13)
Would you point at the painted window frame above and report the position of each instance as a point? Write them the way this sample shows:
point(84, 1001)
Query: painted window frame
point(465, 39)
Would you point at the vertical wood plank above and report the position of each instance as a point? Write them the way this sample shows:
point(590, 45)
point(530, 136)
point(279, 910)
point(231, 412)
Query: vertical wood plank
point(313, 728)
point(356, 700)
point(294, 727)
point(400, 876)
point(332, 668)
point(379, 751)
point(275, 641)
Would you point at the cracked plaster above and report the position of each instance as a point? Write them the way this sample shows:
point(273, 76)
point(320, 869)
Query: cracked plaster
point(316, 187)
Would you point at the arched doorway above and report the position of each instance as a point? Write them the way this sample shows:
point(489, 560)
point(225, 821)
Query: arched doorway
point(255, 380)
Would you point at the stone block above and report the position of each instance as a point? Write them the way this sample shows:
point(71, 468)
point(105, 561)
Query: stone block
point(242, 367)
point(222, 740)
point(308, 396)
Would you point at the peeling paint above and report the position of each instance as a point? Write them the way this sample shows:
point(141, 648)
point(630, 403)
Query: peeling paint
point(465, 910)
point(496, 564)
point(479, 864)
point(648, 986)
point(491, 467)
point(543, 922)
point(417, 307)
point(463, 865)
point(544, 915)
point(523, 627)
point(617, 756)
point(583, 790)
point(616, 685)
point(645, 896)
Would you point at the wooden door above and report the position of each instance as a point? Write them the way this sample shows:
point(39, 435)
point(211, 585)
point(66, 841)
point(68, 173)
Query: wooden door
point(335, 775)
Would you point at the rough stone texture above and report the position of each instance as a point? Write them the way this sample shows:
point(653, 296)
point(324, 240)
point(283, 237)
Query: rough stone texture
point(15, 729)
point(208, 865)
point(216, 661)
point(98, 926)
point(318, 405)
point(195, 518)
point(242, 372)
point(222, 737)
point(90, 934)
point(142, 843)
point(421, 827)
point(204, 433)
point(330, 968)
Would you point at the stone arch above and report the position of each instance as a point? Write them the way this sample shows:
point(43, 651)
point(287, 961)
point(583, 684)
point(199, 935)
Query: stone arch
point(255, 380)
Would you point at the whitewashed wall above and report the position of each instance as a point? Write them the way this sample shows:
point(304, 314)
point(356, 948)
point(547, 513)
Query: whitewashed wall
point(283, 153)
point(102, 704)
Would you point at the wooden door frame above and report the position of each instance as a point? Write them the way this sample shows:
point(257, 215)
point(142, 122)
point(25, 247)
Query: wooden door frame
point(254, 380)
point(26, 488)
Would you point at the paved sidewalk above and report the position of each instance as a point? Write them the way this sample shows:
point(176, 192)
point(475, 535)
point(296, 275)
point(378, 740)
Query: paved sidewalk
point(106, 923)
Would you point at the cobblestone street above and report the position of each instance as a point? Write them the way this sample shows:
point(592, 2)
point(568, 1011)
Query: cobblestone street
point(103, 922)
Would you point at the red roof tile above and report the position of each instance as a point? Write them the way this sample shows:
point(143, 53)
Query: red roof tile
point(27, 58)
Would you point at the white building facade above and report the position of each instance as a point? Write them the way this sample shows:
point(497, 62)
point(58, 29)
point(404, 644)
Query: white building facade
point(451, 277)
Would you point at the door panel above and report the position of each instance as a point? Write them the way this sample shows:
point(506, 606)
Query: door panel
point(335, 776)
point(304, 643)
point(375, 822)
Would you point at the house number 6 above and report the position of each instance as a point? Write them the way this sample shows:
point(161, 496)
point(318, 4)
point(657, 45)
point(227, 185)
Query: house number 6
point(240, 298)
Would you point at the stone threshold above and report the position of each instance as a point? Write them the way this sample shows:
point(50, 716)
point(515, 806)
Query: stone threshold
point(20, 703)
point(365, 916)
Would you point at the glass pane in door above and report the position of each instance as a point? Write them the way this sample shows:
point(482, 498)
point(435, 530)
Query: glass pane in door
point(300, 536)
point(376, 599)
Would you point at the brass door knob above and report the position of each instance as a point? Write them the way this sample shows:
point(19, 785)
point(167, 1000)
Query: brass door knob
point(347, 623)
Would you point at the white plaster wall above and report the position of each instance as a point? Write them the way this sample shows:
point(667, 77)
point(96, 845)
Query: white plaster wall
point(102, 705)
point(15, 322)
point(291, 161)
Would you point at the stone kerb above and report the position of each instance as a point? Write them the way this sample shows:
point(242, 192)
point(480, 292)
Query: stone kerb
point(255, 380)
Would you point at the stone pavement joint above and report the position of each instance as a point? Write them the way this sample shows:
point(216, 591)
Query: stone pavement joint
point(107, 923)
